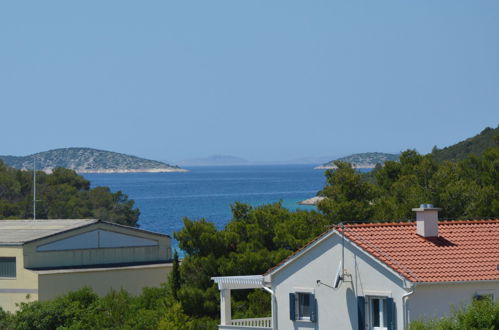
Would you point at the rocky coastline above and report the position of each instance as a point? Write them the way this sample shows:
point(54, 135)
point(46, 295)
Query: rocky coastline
point(140, 170)
point(332, 167)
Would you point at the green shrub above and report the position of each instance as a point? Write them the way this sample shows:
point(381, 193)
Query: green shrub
point(479, 315)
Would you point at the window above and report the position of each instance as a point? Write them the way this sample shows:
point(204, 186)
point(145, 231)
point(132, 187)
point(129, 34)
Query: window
point(376, 313)
point(7, 267)
point(302, 306)
point(484, 295)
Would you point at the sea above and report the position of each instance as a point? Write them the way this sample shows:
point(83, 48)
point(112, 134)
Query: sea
point(208, 192)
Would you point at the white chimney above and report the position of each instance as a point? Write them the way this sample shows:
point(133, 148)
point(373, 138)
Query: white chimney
point(427, 220)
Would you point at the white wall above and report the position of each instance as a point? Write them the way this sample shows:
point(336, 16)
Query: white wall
point(433, 300)
point(337, 308)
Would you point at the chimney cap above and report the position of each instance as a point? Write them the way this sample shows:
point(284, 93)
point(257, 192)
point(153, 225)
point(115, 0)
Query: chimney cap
point(426, 207)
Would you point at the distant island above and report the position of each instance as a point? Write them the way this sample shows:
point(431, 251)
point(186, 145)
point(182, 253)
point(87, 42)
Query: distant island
point(362, 160)
point(215, 160)
point(88, 160)
point(229, 160)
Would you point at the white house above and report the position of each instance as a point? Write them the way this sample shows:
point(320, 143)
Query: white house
point(377, 275)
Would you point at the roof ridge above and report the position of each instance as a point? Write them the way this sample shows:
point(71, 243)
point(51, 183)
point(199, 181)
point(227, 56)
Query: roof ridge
point(454, 222)
point(376, 224)
point(412, 222)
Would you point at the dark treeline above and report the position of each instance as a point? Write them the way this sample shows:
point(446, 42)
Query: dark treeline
point(257, 238)
point(475, 145)
point(63, 194)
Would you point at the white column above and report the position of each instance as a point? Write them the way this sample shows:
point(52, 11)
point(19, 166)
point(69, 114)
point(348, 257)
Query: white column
point(225, 307)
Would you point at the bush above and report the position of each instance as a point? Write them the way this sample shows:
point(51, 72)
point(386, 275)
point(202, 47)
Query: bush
point(479, 315)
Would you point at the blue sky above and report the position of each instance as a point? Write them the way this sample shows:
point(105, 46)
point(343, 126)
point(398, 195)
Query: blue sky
point(264, 80)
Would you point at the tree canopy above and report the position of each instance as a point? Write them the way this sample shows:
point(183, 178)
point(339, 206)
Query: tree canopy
point(252, 242)
point(465, 189)
point(63, 194)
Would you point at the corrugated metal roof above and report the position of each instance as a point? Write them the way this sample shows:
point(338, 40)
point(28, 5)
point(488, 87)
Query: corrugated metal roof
point(15, 232)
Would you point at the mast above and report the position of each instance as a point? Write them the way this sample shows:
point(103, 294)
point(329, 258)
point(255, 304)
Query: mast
point(34, 187)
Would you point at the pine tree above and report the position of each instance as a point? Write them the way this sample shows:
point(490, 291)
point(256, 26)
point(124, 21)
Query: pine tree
point(175, 280)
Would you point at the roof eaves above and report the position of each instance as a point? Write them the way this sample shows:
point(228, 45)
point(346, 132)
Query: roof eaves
point(133, 228)
point(456, 282)
point(332, 230)
point(298, 253)
point(94, 221)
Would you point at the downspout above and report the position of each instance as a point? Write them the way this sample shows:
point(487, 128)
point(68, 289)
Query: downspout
point(273, 303)
point(404, 307)
point(342, 251)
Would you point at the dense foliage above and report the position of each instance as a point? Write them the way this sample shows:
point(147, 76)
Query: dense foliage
point(255, 240)
point(61, 195)
point(465, 189)
point(83, 309)
point(475, 146)
point(479, 315)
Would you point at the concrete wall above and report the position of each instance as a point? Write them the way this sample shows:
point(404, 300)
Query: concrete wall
point(22, 288)
point(337, 308)
point(96, 256)
point(444, 296)
point(133, 279)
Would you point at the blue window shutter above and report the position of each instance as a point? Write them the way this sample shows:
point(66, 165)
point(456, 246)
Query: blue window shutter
point(361, 312)
point(292, 308)
point(313, 308)
point(390, 315)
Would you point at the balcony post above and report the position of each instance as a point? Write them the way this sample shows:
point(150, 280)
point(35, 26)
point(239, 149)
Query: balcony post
point(225, 307)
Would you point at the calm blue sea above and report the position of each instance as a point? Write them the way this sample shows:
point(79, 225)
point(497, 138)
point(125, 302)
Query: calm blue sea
point(207, 192)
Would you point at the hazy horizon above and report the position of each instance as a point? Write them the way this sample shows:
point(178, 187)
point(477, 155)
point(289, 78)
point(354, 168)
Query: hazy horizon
point(265, 81)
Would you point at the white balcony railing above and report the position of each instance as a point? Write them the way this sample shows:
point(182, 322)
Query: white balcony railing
point(262, 322)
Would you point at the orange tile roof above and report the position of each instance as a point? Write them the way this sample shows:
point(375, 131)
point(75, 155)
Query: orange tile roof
point(463, 251)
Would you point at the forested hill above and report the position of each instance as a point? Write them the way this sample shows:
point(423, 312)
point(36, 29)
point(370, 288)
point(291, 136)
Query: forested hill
point(476, 145)
point(363, 160)
point(87, 160)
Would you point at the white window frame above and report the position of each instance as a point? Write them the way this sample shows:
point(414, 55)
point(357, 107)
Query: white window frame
point(370, 310)
point(297, 292)
point(300, 317)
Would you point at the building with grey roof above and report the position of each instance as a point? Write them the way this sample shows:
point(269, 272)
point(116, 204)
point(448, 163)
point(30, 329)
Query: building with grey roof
point(41, 259)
